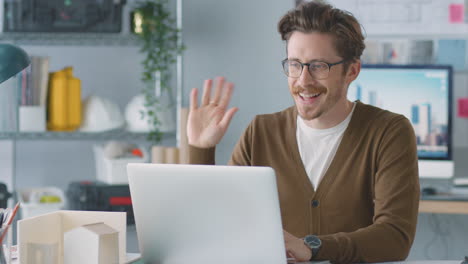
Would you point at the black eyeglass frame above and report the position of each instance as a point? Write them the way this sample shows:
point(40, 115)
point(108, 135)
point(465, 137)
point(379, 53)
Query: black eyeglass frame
point(308, 66)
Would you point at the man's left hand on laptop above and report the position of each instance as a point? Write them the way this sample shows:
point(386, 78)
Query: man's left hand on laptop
point(296, 247)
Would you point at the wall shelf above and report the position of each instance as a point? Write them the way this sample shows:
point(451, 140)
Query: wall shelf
point(118, 134)
point(73, 44)
point(70, 39)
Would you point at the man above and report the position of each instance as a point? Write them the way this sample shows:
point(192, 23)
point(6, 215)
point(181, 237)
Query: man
point(347, 172)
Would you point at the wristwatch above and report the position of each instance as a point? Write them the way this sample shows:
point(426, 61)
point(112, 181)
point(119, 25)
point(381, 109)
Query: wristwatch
point(314, 243)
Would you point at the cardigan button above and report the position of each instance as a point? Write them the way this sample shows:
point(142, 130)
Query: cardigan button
point(315, 203)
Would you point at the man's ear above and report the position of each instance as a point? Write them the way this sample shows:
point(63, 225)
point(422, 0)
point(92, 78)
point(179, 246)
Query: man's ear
point(353, 71)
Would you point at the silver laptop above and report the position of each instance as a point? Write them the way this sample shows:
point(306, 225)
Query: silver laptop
point(206, 214)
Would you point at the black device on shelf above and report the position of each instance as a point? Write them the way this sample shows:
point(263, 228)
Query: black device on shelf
point(63, 15)
point(4, 195)
point(97, 196)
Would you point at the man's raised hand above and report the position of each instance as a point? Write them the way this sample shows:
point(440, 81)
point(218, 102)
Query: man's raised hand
point(207, 123)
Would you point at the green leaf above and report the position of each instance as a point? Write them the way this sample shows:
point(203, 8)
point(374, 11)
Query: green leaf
point(159, 45)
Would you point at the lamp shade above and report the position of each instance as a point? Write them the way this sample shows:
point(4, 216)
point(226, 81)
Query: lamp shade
point(13, 59)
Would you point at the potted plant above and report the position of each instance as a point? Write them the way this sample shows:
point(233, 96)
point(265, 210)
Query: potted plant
point(159, 38)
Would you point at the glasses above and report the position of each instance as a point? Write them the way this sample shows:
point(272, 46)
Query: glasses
point(318, 69)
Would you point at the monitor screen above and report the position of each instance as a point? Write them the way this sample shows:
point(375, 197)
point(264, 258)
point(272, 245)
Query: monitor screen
point(420, 92)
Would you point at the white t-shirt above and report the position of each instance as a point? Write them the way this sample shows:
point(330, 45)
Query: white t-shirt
point(318, 147)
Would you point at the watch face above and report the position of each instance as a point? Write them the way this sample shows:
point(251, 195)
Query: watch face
point(313, 241)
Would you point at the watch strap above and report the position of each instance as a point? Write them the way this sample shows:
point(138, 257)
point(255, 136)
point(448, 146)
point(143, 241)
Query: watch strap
point(314, 243)
point(314, 253)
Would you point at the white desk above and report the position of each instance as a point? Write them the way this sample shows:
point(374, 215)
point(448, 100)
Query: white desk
point(397, 262)
point(400, 262)
point(131, 236)
point(131, 258)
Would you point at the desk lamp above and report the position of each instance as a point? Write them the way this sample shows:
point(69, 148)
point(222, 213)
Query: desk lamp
point(13, 60)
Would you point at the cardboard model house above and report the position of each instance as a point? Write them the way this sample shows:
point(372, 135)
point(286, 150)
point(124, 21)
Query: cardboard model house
point(46, 233)
point(92, 244)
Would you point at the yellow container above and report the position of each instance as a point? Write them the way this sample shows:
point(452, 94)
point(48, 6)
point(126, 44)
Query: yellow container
point(64, 106)
point(57, 109)
point(74, 100)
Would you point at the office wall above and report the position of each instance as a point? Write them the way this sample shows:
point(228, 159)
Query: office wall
point(238, 40)
point(244, 46)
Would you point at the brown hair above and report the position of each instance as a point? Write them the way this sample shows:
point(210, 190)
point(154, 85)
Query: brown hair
point(323, 18)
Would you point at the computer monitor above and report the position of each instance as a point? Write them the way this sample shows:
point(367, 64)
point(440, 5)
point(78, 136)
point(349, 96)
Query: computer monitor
point(423, 93)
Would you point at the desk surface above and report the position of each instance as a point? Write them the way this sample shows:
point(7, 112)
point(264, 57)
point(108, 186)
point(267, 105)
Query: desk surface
point(444, 203)
point(132, 258)
point(446, 196)
point(443, 207)
point(398, 262)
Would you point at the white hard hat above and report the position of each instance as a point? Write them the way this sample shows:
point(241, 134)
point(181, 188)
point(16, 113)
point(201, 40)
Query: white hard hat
point(136, 122)
point(100, 114)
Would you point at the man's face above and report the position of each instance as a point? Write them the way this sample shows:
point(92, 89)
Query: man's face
point(317, 98)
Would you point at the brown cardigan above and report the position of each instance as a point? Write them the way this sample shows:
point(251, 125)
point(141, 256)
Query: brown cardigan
point(366, 206)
